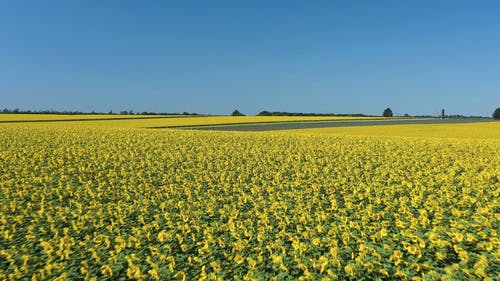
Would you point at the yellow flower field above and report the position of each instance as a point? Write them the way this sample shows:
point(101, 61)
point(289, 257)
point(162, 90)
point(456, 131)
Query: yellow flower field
point(51, 117)
point(483, 130)
point(148, 121)
point(394, 202)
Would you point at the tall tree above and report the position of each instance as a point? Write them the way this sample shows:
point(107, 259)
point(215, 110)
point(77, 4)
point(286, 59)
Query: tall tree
point(387, 112)
point(496, 114)
point(237, 113)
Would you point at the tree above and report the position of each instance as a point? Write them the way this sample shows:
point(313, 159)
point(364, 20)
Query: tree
point(237, 113)
point(265, 113)
point(387, 112)
point(496, 114)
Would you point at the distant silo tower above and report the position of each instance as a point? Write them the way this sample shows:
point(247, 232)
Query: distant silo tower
point(442, 114)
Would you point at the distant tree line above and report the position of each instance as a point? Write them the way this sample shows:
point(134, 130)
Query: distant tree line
point(65, 112)
point(284, 113)
point(130, 112)
point(387, 113)
point(19, 111)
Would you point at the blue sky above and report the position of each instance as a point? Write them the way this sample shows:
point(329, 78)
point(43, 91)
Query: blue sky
point(216, 56)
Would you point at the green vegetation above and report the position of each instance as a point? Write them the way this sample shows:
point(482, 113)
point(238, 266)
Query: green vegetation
point(496, 114)
point(387, 112)
point(285, 113)
point(237, 113)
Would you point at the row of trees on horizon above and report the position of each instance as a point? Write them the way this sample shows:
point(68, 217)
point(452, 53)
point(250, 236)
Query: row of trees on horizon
point(123, 112)
point(386, 113)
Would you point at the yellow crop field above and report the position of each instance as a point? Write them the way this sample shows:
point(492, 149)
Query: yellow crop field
point(364, 203)
point(147, 121)
point(481, 130)
point(51, 117)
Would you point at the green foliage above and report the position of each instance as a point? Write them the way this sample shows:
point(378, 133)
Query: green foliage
point(496, 114)
point(237, 113)
point(265, 113)
point(89, 203)
point(387, 112)
point(285, 113)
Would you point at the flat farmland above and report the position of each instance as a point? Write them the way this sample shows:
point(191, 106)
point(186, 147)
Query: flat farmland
point(97, 200)
point(158, 121)
point(309, 124)
point(26, 118)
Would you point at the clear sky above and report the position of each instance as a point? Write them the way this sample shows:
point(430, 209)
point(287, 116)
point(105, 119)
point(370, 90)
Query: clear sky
point(215, 56)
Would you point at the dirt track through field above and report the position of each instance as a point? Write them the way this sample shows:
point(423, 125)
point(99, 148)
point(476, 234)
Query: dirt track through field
point(325, 124)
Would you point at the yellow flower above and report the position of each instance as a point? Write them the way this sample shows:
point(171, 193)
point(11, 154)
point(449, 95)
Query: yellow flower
point(184, 247)
point(215, 266)
point(412, 249)
point(469, 237)
point(84, 267)
point(400, 274)
point(383, 272)
point(463, 256)
point(480, 266)
point(47, 248)
point(458, 237)
point(251, 263)
point(134, 272)
point(350, 269)
point(106, 270)
point(162, 236)
point(277, 259)
point(396, 257)
point(120, 244)
point(154, 274)
point(316, 241)
point(400, 224)
point(488, 246)
point(415, 267)
point(323, 261)
point(180, 275)
point(203, 275)
point(62, 277)
point(440, 255)
point(238, 259)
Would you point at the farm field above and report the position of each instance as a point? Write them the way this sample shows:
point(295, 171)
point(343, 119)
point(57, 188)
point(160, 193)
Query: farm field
point(4, 118)
point(107, 200)
point(481, 130)
point(145, 121)
point(320, 124)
